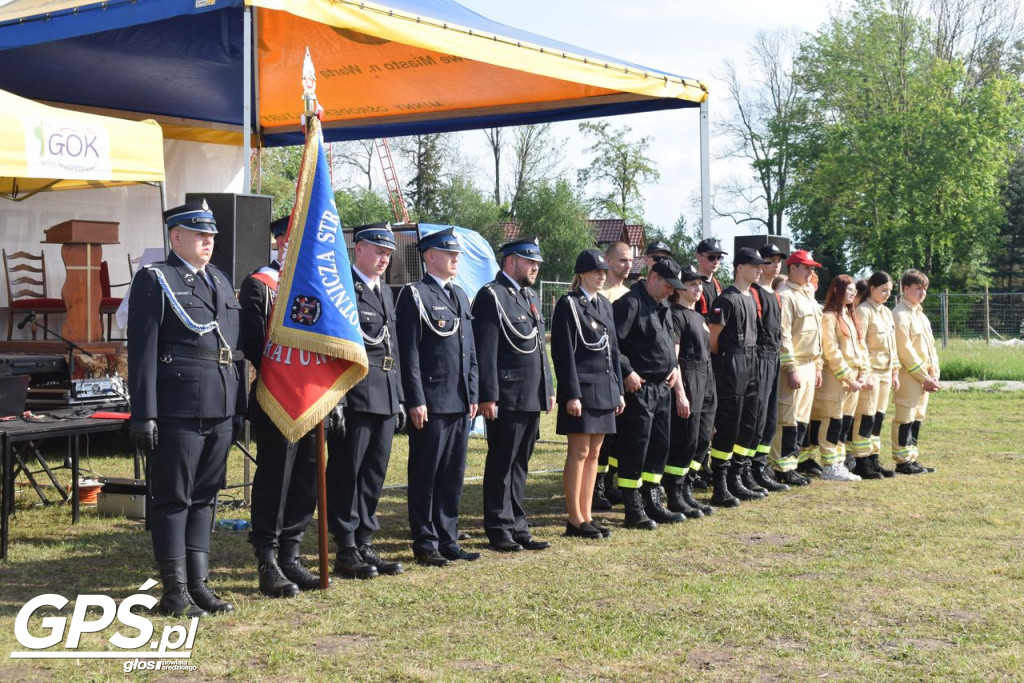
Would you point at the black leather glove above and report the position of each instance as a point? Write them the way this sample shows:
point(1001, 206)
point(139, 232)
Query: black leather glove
point(336, 421)
point(237, 426)
point(400, 418)
point(142, 434)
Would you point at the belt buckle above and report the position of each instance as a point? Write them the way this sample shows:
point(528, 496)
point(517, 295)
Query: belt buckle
point(223, 356)
point(387, 363)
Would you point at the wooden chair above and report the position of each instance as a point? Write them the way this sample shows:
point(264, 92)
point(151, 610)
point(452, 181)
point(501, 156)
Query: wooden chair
point(109, 303)
point(26, 289)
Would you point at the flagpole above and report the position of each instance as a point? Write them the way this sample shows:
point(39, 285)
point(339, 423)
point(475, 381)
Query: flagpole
point(309, 112)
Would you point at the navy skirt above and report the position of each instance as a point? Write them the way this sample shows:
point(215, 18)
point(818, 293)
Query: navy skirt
point(592, 421)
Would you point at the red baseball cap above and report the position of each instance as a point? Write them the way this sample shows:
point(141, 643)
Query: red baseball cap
point(802, 256)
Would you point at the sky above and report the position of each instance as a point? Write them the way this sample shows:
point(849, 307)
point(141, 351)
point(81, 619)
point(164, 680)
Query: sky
point(684, 38)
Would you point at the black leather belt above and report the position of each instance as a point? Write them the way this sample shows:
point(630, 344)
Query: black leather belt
point(222, 356)
point(386, 364)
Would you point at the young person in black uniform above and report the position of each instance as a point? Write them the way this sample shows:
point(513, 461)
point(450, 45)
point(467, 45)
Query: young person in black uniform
point(284, 485)
point(695, 401)
point(187, 400)
point(769, 341)
point(650, 369)
point(515, 386)
point(359, 455)
point(439, 379)
point(585, 353)
point(709, 260)
point(733, 325)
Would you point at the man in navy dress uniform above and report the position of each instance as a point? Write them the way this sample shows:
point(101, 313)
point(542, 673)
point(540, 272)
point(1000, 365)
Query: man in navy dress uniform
point(515, 386)
point(439, 378)
point(187, 400)
point(360, 455)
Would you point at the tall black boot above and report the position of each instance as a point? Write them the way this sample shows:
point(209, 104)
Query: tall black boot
point(288, 558)
point(747, 476)
point(676, 501)
point(635, 517)
point(651, 495)
point(176, 600)
point(273, 582)
point(735, 481)
point(687, 493)
point(600, 502)
point(612, 492)
point(759, 473)
point(722, 497)
point(198, 565)
point(865, 469)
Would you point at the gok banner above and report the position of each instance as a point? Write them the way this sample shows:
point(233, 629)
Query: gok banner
point(314, 352)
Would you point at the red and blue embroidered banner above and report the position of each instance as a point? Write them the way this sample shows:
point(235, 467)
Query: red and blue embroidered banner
point(314, 352)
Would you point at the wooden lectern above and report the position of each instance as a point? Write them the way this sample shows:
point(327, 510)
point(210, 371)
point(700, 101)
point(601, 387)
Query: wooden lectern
point(82, 253)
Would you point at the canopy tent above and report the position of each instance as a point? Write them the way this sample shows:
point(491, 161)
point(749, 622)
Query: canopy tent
point(395, 68)
point(46, 148)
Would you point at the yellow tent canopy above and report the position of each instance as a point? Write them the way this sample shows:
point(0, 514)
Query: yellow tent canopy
point(46, 148)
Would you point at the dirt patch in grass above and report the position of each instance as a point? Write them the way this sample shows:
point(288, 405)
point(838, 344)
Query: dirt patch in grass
point(22, 672)
point(711, 658)
point(336, 645)
point(768, 538)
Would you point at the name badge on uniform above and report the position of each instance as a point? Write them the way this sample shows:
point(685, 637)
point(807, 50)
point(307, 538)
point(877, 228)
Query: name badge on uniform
point(370, 314)
point(438, 308)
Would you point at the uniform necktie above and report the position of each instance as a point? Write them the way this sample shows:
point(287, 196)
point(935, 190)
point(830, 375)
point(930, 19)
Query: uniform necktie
point(202, 284)
point(451, 295)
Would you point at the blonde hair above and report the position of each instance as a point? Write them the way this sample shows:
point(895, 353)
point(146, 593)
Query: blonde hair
point(577, 280)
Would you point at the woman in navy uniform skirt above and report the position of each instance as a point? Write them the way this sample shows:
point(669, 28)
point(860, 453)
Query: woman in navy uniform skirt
point(585, 352)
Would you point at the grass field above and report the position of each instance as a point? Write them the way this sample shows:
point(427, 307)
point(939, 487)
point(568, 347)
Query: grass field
point(912, 578)
point(974, 360)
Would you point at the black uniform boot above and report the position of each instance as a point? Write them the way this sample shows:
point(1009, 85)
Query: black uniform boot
point(198, 566)
point(722, 497)
point(294, 570)
point(176, 600)
point(687, 492)
point(878, 466)
point(864, 469)
point(612, 492)
point(351, 565)
point(651, 495)
point(635, 517)
point(735, 482)
point(792, 478)
point(372, 557)
point(747, 477)
point(701, 479)
point(600, 502)
point(759, 473)
point(676, 501)
point(273, 582)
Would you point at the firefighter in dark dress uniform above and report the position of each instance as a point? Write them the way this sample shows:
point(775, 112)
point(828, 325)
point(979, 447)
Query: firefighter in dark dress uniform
point(187, 400)
point(284, 485)
point(360, 455)
point(439, 378)
point(515, 386)
point(650, 369)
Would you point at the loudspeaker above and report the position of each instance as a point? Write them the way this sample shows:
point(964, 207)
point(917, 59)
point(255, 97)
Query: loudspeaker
point(243, 232)
point(755, 242)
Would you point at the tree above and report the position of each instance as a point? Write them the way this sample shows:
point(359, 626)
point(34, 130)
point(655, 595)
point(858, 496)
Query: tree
point(553, 211)
point(618, 168)
point(535, 157)
point(279, 174)
point(427, 154)
point(495, 141)
point(761, 130)
point(362, 206)
point(682, 239)
point(988, 36)
point(900, 160)
point(461, 203)
point(1008, 262)
point(355, 154)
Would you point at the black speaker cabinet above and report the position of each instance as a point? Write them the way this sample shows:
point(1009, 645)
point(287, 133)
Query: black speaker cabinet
point(757, 241)
point(243, 232)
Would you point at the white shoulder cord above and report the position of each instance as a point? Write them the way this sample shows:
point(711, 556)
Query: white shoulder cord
point(186, 320)
point(426, 319)
point(506, 325)
point(600, 345)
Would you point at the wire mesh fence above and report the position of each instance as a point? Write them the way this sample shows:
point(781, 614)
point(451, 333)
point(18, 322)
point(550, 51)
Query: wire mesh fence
point(954, 315)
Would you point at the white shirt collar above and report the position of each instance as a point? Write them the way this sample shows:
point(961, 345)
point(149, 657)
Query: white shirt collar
point(370, 282)
point(439, 280)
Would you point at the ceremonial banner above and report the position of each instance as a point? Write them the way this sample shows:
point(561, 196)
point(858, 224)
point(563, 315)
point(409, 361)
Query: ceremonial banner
point(314, 352)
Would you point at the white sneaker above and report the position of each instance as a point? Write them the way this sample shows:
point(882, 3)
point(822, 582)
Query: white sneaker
point(838, 472)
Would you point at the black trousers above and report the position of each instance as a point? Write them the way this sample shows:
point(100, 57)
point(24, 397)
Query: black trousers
point(437, 464)
point(736, 384)
point(690, 437)
point(767, 378)
point(284, 485)
point(644, 437)
point(186, 472)
point(356, 469)
point(510, 440)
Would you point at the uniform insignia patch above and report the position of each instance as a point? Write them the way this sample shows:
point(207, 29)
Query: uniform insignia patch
point(441, 323)
point(305, 310)
point(359, 286)
point(593, 323)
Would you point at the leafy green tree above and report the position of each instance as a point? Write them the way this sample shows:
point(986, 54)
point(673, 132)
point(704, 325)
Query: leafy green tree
point(461, 203)
point(1008, 261)
point(427, 155)
point(360, 206)
point(682, 239)
point(554, 212)
point(279, 174)
point(618, 168)
point(900, 162)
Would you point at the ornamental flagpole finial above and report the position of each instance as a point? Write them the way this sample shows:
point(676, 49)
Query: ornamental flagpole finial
point(308, 87)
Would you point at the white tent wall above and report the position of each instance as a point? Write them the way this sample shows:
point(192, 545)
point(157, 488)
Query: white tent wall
point(190, 167)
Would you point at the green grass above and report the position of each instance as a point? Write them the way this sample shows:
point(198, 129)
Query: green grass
point(973, 360)
point(912, 578)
